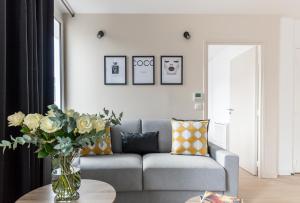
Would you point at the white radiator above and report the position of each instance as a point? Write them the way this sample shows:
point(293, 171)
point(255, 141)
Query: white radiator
point(218, 134)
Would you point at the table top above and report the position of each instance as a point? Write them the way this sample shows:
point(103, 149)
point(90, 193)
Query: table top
point(91, 191)
point(196, 199)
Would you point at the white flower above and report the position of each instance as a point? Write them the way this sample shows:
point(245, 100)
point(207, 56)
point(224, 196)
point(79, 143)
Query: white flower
point(51, 113)
point(84, 124)
point(98, 124)
point(16, 119)
point(70, 113)
point(49, 126)
point(32, 121)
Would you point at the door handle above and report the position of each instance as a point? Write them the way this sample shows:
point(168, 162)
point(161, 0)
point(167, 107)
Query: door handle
point(230, 110)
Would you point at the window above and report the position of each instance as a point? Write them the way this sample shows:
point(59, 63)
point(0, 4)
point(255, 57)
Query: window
point(57, 64)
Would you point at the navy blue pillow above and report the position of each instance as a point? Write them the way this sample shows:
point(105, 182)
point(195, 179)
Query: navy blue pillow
point(140, 143)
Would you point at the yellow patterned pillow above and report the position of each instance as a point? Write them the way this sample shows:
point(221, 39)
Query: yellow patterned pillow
point(189, 137)
point(99, 148)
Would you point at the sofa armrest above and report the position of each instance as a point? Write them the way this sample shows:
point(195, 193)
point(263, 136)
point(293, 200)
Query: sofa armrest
point(230, 162)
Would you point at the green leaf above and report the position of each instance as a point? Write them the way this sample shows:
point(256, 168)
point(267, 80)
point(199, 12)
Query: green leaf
point(53, 107)
point(15, 145)
point(25, 130)
point(106, 111)
point(71, 125)
point(27, 138)
point(4, 147)
point(59, 133)
point(39, 149)
point(20, 140)
point(42, 154)
point(6, 143)
point(48, 148)
point(64, 145)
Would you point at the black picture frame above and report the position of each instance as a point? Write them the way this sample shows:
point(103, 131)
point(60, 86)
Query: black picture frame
point(161, 70)
point(125, 70)
point(133, 71)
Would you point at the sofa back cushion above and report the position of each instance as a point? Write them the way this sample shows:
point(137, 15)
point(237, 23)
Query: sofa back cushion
point(163, 126)
point(132, 126)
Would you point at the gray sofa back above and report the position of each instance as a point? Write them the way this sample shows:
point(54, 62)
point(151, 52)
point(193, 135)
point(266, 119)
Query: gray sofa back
point(165, 132)
point(162, 125)
point(133, 126)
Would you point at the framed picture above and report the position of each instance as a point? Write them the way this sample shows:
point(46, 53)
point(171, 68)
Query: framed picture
point(171, 70)
point(115, 72)
point(143, 70)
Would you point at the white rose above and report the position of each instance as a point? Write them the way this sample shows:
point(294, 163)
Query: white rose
point(16, 119)
point(32, 121)
point(84, 124)
point(49, 126)
point(70, 112)
point(98, 124)
point(51, 113)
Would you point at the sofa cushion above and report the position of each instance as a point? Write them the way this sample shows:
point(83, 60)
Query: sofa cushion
point(165, 132)
point(189, 137)
point(122, 171)
point(164, 171)
point(101, 147)
point(140, 143)
point(131, 126)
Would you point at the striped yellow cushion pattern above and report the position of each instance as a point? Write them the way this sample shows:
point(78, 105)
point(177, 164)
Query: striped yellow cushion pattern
point(99, 148)
point(190, 137)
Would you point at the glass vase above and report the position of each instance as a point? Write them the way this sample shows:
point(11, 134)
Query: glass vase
point(66, 176)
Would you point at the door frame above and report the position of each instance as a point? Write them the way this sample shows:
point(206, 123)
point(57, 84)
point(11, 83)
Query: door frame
point(259, 93)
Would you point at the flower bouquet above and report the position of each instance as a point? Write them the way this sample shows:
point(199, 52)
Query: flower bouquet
point(60, 135)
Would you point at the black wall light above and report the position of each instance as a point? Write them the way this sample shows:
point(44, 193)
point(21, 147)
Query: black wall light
point(100, 34)
point(186, 35)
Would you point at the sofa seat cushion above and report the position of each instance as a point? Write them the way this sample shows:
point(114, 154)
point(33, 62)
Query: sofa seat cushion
point(122, 171)
point(163, 171)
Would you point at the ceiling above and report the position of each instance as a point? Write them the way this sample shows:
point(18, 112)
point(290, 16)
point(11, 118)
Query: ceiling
point(273, 7)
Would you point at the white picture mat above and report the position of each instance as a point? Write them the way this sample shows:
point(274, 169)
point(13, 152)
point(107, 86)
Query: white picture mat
point(171, 78)
point(143, 73)
point(115, 78)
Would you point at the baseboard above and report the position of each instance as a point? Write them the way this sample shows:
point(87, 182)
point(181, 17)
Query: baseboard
point(284, 172)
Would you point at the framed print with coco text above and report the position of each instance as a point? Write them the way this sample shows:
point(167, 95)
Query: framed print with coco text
point(171, 70)
point(143, 70)
point(115, 72)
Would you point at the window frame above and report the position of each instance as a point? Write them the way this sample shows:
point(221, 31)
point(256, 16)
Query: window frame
point(61, 58)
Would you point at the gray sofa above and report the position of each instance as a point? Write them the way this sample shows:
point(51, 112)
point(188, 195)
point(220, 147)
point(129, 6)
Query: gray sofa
point(161, 177)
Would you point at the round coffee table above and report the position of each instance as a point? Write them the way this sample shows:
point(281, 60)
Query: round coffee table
point(91, 191)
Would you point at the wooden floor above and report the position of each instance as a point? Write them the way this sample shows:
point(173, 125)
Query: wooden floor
point(285, 189)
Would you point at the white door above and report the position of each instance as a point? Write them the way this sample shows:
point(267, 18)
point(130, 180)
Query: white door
point(219, 95)
point(296, 147)
point(243, 109)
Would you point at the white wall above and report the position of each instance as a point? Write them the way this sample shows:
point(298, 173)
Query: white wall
point(289, 97)
point(159, 35)
point(296, 140)
point(286, 94)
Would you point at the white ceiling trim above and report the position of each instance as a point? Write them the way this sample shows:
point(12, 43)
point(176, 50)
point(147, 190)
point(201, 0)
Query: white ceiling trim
point(238, 7)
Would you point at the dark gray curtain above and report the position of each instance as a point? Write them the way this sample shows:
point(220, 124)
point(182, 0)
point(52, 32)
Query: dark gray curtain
point(26, 84)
